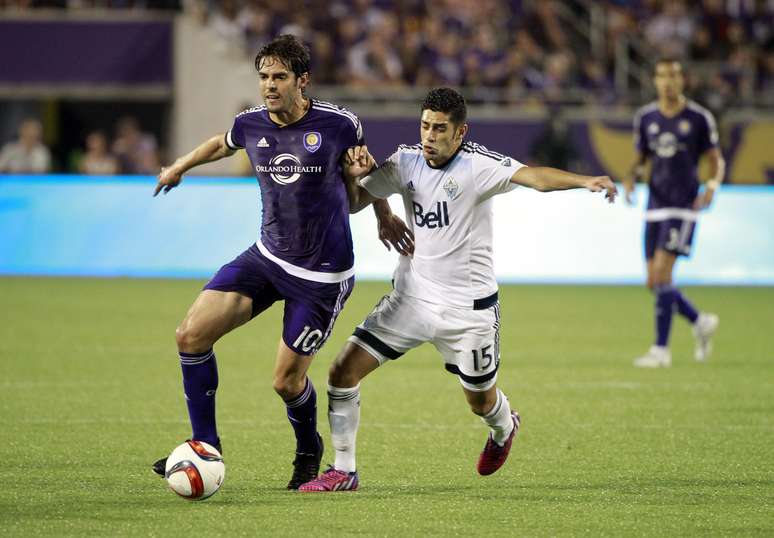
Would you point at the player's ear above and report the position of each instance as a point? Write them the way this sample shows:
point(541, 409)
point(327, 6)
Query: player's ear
point(462, 130)
point(303, 81)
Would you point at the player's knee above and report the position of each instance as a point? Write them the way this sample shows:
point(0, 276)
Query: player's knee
point(287, 386)
point(191, 340)
point(339, 375)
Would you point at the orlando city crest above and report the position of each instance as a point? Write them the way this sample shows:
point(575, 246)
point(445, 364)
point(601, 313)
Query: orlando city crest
point(312, 141)
point(451, 188)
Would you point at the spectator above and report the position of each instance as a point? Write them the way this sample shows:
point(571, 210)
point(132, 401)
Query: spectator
point(27, 155)
point(98, 161)
point(136, 151)
point(671, 31)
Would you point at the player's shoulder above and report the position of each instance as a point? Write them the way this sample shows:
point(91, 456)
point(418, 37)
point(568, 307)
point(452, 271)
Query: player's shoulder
point(480, 155)
point(695, 108)
point(409, 149)
point(645, 110)
point(326, 108)
point(251, 111)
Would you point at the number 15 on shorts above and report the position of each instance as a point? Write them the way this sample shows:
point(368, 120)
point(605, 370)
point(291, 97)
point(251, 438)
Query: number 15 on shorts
point(482, 358)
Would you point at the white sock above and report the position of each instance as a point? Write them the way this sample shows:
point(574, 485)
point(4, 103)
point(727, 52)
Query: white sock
point(344, 418)
point(499, 419)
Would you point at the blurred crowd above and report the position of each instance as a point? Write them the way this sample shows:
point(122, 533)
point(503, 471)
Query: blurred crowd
point(552, 49)
point(131, 151)
point(539, 47)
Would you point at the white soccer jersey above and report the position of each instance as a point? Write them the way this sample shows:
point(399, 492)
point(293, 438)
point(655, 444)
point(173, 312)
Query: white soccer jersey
point(449, 209)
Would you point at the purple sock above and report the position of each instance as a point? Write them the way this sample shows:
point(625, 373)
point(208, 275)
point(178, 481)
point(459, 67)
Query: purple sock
point(665, 302)
point(302, 413)
point(684, 307)
point(200, 381)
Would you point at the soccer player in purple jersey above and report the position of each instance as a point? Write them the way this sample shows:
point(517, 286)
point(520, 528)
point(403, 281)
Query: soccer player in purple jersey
point(673, 133)
point(304, 255)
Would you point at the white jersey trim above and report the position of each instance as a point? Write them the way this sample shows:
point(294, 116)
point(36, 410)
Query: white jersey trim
point(666, 213)
point(306, 274)
point(329, 107)
point(230, 141)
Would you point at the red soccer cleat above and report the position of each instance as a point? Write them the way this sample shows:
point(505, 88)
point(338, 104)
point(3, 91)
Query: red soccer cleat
point(493, 456)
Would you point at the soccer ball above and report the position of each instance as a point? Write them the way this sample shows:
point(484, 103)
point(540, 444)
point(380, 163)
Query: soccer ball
point(195, 470)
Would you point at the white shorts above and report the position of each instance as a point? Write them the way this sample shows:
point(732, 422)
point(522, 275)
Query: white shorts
point(468, 340)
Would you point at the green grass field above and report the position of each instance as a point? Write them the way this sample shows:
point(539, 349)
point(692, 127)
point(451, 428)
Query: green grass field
point(90, 395)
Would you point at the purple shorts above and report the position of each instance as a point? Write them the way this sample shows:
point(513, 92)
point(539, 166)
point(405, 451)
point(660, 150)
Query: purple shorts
point(311, 307)
point(672, 235)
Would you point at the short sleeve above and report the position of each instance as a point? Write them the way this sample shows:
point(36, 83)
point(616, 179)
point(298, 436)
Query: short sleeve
point(386, 179)
point(493, 176)
point(708, 134)
point(235, 137)
point(353, 132)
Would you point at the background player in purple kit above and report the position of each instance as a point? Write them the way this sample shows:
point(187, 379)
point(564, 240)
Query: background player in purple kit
point(674, 133)
point(304, 254)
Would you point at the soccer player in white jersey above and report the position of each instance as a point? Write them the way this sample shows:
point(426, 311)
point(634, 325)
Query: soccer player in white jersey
point(674, 133)
point(446, 293)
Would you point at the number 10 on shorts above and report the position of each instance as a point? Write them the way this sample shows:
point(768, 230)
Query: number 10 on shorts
point(307, 340)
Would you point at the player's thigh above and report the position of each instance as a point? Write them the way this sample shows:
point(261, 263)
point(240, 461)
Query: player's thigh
point(395, 325)
point(663, 265)
point(311, 310)
point(213, 314)
point(352, 364)
point(469, 343)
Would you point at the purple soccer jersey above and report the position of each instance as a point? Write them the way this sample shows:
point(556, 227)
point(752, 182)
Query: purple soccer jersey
point(674, 146)
point(305, 215)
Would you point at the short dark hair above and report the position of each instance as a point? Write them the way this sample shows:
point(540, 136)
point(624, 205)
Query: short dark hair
point(289, 50)
point(667, 60)
point(448, 101)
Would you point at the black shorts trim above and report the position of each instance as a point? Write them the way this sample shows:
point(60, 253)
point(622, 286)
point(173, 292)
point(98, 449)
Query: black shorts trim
point(473, 380)
point(486, 302)
point(377, 344)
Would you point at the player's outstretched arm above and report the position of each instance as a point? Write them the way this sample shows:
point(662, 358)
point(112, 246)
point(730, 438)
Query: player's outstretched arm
point(636, 174)
point(545, 179)
point(717, 169)
point(211, 150)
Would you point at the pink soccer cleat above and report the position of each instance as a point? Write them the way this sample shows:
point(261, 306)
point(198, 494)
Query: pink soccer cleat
point(493, 456)
point(332, 480)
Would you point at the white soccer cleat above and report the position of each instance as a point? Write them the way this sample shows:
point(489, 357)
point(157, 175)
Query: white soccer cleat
point(705, 326)
point(656, 357)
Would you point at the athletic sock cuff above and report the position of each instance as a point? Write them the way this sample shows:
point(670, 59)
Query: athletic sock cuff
point(343, 394)
point(190, 359)
point(496, 407)
point(302, 398)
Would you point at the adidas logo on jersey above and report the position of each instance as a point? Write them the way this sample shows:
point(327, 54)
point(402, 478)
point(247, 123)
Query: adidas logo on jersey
point(410, 186)
point(432, 219)
point(262, 143)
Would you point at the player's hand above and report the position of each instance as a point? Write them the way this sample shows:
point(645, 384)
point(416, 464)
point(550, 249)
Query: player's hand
point(169, 178)
point(603, 183)
point(358, 162)
point(704, 200)
point(393, 231)
point(629, 192)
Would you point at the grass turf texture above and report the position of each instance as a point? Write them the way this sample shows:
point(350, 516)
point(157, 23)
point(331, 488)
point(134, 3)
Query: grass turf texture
point(91, 395)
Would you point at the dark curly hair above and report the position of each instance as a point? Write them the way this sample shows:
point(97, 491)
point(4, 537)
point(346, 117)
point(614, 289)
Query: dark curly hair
point(288, 50)
point(448, 101)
